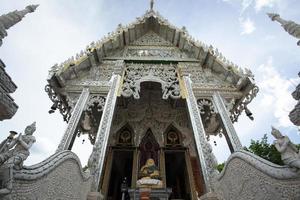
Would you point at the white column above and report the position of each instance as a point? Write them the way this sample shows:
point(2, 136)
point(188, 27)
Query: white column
point(199, 135)
point(97, 157)
point(65, 142)
point(233, 139)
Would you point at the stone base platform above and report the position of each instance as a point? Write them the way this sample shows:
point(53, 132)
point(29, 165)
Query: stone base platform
point(95, 196)
point(150, 193)
point(210, 196)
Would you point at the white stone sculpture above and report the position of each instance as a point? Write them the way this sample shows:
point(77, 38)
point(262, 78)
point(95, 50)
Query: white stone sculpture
point(289, 152)
point(289, 26)
point(16, 150)
point(10, 19)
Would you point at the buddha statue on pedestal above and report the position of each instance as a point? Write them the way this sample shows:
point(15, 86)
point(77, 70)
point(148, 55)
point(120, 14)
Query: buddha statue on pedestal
point(149, 175)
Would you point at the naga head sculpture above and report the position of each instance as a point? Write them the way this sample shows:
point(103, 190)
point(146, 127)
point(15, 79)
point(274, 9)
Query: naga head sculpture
point(276, 133)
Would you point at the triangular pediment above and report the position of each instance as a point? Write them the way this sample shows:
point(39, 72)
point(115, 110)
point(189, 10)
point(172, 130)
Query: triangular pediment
point(151, 39)
point(149, 46)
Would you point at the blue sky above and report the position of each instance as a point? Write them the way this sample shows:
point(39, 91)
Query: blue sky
point(240, 29)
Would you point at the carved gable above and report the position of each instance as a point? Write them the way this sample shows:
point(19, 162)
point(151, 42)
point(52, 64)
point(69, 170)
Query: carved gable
point(151, 39)
point(96, 75)
point(152, 45)
point(149, 46)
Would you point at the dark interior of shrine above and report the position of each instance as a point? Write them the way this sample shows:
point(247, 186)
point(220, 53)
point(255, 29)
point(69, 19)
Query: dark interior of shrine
point(176, 175)
point(121, 168)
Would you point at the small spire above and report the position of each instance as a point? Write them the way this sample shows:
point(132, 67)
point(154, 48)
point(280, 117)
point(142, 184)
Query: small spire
point(273, 15)
point(32, 8)
point(10, 19)
point(151, 4)
point(289, 26)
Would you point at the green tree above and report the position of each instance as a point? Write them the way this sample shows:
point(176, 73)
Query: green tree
point(265, 150)
point(220, 167)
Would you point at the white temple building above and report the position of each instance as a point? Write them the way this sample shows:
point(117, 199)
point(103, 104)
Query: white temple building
point(149, 96)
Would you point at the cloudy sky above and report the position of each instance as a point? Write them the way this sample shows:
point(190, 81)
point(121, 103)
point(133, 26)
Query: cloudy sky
point(240, 29)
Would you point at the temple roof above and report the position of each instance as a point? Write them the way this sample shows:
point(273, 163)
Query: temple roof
point(151, 21)
point(167, 36)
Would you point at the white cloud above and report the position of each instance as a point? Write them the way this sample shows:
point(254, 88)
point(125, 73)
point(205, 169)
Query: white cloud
point(259, 4)
point(276, 92)
point(270, 37)
point(247, 25)
point(246, 4)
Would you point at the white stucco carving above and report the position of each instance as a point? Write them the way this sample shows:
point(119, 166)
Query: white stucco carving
point(249, 177)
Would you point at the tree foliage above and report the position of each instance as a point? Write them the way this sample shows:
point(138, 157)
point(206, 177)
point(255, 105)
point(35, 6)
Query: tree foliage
point(220, 167)
point(265, 150)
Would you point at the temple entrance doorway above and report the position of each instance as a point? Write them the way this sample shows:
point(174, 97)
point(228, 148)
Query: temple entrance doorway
point(121, 168)
point(151, 144)
point(177, 176)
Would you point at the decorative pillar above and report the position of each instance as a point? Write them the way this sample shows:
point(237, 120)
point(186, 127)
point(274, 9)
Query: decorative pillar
point(233, 140)
point(203, 148)
point(96, 159)
point(66, 141)
point(135, 169)
point(162, 167)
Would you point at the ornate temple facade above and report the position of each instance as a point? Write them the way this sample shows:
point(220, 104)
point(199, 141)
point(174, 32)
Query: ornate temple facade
point(148, 96)
point(149, 90)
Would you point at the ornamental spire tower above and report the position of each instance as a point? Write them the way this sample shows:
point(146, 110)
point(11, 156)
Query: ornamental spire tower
point(151, 4)
point(289, 26)
point(10, 19)
point(7, 105)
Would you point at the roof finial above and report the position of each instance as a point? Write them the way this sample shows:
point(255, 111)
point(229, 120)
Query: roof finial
point(151, 4)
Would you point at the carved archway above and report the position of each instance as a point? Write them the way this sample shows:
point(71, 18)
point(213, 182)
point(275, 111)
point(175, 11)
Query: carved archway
point(173, 137)
point(125, 136)
point(149, 148)
point(137, 73)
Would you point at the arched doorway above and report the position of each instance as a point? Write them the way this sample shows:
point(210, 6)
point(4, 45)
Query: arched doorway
point(177, 167)
point(121, 163)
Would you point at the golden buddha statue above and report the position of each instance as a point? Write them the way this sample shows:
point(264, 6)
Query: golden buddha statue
point(149, 175)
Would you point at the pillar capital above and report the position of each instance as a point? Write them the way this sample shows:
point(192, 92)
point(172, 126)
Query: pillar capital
point(233, 139)
point(66, 141)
